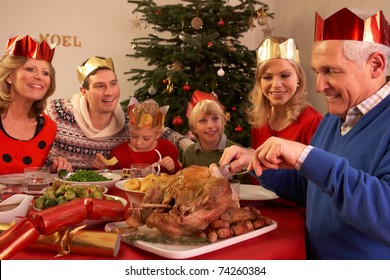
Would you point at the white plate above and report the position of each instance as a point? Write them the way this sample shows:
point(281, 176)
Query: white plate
point(186, 251)
point(255, 192)
point(133, 196)
point(108, 184)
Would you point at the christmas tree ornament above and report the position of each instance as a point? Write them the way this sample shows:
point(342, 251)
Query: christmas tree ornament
point(196, 23)
point(169, 83)
point(135, 23)
point(238, 128)
point(234, 109)
point(152, 90)
point(221, 72)
point(267, 31)
point(177, 66)
point(182, 36)
point(209, 44)
point(165, 81)
point(221, 23)
point(262, 18)
point(186, 87)
point(177, 121)
point(158, 12)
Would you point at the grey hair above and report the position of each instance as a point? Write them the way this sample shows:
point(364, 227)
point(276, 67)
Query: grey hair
point(358, 52)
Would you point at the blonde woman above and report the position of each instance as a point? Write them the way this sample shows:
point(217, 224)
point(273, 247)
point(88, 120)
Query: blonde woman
point(279, 98)
point(27, 80)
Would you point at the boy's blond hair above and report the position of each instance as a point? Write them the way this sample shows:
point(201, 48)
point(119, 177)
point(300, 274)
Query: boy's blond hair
point(203, 108)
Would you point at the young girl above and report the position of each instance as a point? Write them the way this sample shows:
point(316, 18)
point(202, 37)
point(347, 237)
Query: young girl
point(207, 123)
point(146, 122)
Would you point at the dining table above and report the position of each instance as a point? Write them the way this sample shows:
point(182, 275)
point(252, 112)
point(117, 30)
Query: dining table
point(285, 242)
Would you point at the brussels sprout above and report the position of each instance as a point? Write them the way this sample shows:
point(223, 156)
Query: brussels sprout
point(96, 194)
point(50, 202)
point(61, 190)
point(93, 188)
point(39, 203)
point(49, 194)
point(82, 192)
point(61, 199)
point(70, 195)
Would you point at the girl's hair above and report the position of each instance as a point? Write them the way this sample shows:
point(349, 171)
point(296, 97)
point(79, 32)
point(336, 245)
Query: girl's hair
point(203, 108)
point(260, 107)
point(10, 63)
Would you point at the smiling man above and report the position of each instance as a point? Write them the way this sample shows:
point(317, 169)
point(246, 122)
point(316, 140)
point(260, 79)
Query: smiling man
point(343, 176)
point(91, 121)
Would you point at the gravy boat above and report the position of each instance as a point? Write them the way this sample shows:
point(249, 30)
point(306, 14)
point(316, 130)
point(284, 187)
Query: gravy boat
point(15, 207)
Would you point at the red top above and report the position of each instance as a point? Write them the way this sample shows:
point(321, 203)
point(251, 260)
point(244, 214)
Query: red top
point(301, 131)
point(127, 156)
point(16, 154)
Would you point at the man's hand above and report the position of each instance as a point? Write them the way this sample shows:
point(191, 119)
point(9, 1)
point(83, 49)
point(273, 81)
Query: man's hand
point(276, 153)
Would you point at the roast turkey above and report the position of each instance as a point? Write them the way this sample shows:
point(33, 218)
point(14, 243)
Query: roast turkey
point(196, 197)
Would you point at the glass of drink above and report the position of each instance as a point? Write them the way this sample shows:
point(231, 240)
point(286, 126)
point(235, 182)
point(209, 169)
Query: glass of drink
point(36, 179)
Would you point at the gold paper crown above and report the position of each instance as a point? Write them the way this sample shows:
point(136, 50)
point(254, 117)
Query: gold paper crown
point(271, 49)
point(146, 114)
point(345, 25)
point(91, 64)
point(28, 47)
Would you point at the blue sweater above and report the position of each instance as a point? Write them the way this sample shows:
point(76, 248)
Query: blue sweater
point(345, 185)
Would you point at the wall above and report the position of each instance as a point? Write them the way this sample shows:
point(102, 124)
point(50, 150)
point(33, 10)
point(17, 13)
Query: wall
point(106, 28)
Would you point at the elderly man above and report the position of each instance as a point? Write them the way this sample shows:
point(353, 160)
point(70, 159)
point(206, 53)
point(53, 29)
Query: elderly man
point(92, 121)
point(343, 176)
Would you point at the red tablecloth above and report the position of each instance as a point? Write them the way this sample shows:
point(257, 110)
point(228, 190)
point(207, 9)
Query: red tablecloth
point(287, 241)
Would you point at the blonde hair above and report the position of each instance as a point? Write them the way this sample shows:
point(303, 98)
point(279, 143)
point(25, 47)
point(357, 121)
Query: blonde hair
point(260, 106)
point(203, 108)
point(10, 63)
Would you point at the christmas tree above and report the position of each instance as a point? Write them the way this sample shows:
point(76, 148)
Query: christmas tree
point(195, 46)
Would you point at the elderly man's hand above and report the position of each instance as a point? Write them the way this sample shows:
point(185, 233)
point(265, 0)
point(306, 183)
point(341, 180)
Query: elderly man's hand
point(276, 153)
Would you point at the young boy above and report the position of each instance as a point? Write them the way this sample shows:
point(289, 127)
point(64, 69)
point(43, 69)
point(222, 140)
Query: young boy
point(207, 123)
point(146, 121)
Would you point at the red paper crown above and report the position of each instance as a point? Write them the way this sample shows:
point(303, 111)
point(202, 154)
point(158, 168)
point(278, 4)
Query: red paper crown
point(28, 47)
point(198, 96)
point(345, 25)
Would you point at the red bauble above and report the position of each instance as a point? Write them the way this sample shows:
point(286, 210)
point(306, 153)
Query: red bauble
point(238, 128)
point(234, 109)
point(165, 81)
point(177, 121)
point(210, 44)
point(221, 22)
point(187, 87)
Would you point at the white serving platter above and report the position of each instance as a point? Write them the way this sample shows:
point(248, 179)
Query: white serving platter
point(174, 251)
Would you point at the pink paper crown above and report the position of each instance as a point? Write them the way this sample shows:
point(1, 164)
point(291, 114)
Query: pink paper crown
point(28, 47)
point(345, 25)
